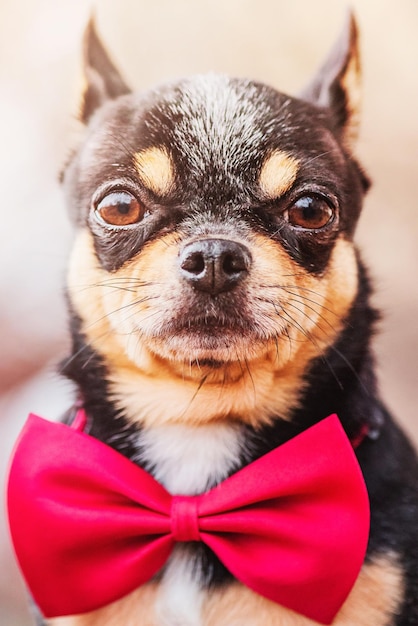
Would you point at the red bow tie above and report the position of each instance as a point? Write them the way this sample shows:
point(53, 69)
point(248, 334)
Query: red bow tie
point(89, 526)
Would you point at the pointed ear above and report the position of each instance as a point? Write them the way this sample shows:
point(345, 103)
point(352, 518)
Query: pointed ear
point(103, 81)
point(337, 85)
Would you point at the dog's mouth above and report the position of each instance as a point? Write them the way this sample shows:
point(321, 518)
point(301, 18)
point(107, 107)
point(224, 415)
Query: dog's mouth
point(208, 325)
point(205, 328)
point(210, 340)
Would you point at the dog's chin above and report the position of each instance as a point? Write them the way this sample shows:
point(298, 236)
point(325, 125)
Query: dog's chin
point(209, 346)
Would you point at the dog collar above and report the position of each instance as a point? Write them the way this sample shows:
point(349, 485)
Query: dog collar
point(89, 526)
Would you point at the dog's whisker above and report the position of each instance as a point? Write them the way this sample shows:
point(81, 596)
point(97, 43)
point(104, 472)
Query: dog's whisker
point(307, 315)
point(193, 398)
point(86, 346)
point(120, 309)
point(311, 339)
point(319, 156)
point(299, 288)
point(319, 305)
point(128, 150)
point(302, 297)
point(247, 367)
point(351, 367)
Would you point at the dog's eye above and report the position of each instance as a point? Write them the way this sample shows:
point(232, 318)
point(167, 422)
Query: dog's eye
point(310, 212)
point(120, 208)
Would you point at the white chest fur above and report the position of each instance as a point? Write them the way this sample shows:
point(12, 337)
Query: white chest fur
point(186, 459)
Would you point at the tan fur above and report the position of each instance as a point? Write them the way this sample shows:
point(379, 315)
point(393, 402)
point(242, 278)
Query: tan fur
point(278, 173)
point(152, 378)
point(155, 169)
point(135, 609)
point(374, 598)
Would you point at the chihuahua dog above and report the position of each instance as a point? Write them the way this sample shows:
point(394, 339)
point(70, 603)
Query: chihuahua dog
point(219, 308)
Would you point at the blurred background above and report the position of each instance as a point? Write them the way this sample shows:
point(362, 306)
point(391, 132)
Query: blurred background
point(276, 41)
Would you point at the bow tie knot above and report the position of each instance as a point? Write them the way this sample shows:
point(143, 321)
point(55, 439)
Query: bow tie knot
point(185, 518)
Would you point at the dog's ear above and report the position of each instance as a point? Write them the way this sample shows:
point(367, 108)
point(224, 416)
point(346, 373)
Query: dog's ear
point(337, 85)
point(103, 81)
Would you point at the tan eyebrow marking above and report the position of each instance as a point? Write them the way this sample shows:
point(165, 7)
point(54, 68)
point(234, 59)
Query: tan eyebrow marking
point(155, 169)
point(278, 173)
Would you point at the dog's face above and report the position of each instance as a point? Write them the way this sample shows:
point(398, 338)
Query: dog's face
point(215, 221)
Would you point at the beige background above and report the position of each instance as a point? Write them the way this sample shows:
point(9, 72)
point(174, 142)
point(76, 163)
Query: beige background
point(277, 41)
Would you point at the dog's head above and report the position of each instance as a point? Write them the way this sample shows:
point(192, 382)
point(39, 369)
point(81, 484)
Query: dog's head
point(214, 257)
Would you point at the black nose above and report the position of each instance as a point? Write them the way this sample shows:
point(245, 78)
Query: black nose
point(214, 265)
